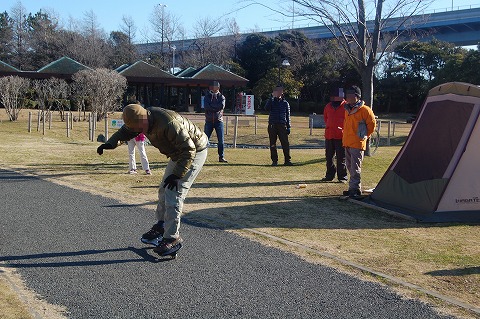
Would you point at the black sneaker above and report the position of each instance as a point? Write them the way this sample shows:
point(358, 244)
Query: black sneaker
point(326, 179)
point(222, 160)
point(288, 163)
point(168, 246)
point(154, 236)
point(274, 163)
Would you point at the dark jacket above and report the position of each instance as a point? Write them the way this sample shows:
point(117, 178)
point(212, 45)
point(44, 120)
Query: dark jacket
point(174, 135)
point(214, 104)
point(279, 111)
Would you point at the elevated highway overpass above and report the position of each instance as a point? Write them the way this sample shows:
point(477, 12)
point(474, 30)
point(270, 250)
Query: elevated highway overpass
point(460, 27)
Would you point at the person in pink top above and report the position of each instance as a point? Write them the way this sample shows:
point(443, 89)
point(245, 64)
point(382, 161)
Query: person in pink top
point(139, 141)
point(334, 115)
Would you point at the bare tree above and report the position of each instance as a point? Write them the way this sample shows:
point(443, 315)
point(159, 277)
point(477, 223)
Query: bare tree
point(95, 49)
point(129, 28)
point(20, 35)
point(101, 88)
point(51, 92)
point(364, 43)
point(12, 94)
point(209, 47)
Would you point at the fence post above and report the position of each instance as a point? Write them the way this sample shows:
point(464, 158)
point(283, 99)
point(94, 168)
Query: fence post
point(43, 122)
point(388, 136)
point(256, 118)
point(90, 126)
point(310, 124)
point(94, 125)
point(235, 132)
point(38, 121)
point(50, 120)
point(106, 126)
point(29, 122)
point(226, 125)
point(67, 122)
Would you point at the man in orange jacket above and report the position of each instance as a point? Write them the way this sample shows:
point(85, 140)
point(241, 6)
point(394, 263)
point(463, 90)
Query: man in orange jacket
point(358, 126)
point(334, 116)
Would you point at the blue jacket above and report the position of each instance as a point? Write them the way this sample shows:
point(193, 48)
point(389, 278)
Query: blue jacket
point(279, 111)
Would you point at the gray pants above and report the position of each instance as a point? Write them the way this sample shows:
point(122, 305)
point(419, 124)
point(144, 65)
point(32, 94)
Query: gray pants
point(170, 202)
point(353, 161)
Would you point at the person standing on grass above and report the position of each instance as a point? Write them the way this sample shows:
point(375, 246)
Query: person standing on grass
point(214, 103)
point(138, 141)
point(334, 116)
point(279, 125)
point(358, 126)
point(186, 145)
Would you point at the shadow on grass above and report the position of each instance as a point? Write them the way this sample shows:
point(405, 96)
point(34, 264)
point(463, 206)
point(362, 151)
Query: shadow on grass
point(293, 212)
point(455, 272)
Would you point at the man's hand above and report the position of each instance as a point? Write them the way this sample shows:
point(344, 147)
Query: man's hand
point(171, 182)
point(288, 131)
point(103, 147)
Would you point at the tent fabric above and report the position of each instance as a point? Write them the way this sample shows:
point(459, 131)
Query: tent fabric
point(435, 176)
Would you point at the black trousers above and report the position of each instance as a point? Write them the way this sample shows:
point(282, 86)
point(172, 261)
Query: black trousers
point(334, 147)
point(280, 131)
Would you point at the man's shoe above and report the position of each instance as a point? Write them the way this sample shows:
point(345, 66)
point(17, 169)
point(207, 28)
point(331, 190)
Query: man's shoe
point(154, 236)
point(274, 163)
point(132, 171)
point(222, 160)
point(288, 163)
point(355, 193)
point(342, 180)
point(326, 179)
point(346, 193)
point(168, 246)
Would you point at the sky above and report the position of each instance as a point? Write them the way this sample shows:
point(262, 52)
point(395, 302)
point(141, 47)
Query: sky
point(258, 17)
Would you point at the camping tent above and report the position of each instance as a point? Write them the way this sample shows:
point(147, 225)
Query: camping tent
point(436, 175)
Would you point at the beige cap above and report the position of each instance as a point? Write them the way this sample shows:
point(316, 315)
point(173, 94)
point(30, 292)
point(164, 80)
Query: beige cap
point(133, 113)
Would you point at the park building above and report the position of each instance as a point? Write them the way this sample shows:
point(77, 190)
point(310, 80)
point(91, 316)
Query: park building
point(148, 84)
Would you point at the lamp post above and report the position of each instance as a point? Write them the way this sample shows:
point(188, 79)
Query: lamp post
point(285, 63)
point(173, 58)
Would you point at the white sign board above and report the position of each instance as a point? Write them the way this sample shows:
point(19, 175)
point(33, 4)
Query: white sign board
point(116, 123)
point(249, 106)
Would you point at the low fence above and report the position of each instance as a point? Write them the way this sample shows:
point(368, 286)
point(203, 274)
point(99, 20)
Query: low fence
point(238, 129)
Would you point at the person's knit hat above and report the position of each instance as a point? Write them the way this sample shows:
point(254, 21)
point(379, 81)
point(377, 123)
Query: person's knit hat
point(133, 113)
point(355, 90)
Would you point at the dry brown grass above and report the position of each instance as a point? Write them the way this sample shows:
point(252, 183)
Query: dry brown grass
point(247, 193)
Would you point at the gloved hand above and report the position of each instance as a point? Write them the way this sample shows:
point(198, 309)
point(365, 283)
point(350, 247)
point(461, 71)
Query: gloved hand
point(171, 182)
point(104, 147)
point(288, 131)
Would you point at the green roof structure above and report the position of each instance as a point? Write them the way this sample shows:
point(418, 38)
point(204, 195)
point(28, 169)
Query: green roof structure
point(64, 65)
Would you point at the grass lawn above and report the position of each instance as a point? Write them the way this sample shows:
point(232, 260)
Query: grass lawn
point(250, 197)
